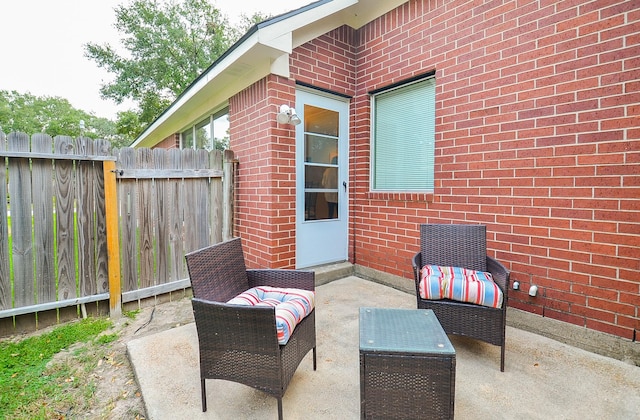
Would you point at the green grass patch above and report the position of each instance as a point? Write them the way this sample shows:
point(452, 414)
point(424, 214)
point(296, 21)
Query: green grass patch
point(27, 384)
point(131, 314)
point(107, 338)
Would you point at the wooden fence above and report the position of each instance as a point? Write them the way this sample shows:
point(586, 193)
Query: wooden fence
point(80, 223)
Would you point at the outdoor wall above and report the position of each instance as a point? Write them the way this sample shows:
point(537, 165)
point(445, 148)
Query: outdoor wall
point(327, 62)
point(171, 142)
point(537, 136)
point(266, 183)
point(265, 187)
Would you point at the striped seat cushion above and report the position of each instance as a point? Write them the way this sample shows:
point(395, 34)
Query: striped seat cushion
point(292, 305)
point(461, 284)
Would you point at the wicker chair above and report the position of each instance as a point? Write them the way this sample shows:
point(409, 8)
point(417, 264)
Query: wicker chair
point(463, 246)
point(239, 343)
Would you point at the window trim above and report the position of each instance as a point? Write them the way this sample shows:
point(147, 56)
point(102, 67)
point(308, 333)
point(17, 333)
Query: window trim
point(402, 194)
point(199, 124)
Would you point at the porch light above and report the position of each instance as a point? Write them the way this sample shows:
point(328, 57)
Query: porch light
point(287, 115)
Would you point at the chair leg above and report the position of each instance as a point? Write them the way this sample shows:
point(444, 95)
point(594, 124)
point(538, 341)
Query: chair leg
point(314, 358)
point(279, 408)
point(204, 394)
point(502, 357)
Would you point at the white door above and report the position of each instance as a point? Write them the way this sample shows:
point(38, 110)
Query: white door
point(321, 170)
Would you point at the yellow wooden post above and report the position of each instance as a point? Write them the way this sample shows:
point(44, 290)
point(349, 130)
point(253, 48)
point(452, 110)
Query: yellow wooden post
point(113, 243)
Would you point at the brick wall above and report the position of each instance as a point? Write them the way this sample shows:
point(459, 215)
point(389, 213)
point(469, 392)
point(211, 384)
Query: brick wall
point(537, 136)
point(327, 62)
point(171, 142)
point(265, 190)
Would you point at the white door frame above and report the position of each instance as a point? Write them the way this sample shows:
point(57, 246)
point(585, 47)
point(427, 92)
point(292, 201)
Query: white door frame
point(324, 239)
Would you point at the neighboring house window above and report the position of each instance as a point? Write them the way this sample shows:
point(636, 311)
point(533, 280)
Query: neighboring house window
point(403, 137)
point(210, 133)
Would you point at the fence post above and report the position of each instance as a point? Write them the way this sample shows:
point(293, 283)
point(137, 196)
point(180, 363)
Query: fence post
point(227, 195)
point(113, 243)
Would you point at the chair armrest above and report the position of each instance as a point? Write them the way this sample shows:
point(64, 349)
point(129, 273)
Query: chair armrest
point(224, 327)
point(297, 279)
point(500, 274)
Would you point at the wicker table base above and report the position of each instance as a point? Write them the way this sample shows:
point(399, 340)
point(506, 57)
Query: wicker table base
point(407, 365)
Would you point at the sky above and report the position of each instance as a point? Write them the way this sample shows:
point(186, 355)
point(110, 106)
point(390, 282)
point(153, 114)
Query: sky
point(42, 53)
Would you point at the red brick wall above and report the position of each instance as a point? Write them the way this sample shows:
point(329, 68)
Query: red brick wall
point(265, 188)
point(327, 62)
point(171, 142)
point(537, 136)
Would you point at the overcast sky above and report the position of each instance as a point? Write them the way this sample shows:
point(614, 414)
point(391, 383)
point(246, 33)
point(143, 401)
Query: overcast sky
point(41, 45)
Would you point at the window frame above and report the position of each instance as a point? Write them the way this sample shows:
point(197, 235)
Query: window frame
point(426, 166)
point(193, 128)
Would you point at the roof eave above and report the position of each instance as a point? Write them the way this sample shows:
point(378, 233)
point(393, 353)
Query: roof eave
point(263, 50)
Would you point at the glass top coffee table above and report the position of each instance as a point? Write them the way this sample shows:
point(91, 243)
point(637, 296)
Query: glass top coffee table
point(407, 365)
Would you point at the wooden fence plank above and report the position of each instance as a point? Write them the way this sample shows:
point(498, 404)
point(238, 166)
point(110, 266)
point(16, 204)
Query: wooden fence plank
point(146, 214)
point(64, 196)
point(20, 196)
point(5, 280)
point(102, 269)
point(216, 195)
point(162, 208)
point(175, 219)
point(53, 156)
point(128, 222)
point(170, 173)
point(188, 195)
point(42, 179)
point(202, 208)
point(229, 165)
point(85, 208)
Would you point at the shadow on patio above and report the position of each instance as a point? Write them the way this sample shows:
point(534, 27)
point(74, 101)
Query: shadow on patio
point(543, 378)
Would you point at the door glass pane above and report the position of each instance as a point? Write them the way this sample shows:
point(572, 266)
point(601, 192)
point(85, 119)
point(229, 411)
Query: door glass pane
point(320, 149)
point(321, 163)
point(321, 121)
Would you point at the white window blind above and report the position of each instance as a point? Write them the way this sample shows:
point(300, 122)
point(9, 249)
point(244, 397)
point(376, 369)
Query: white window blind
point(404, 138)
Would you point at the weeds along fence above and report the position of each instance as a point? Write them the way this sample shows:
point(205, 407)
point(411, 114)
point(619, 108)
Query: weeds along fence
point(82, 223)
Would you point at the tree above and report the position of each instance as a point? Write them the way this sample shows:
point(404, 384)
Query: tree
point(167, 44)
point(128, 124)
point(53, 116)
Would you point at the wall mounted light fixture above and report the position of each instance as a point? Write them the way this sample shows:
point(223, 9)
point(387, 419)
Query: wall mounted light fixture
point(287, 115)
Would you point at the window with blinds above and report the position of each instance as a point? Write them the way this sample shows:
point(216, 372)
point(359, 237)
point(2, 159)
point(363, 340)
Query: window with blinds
point(403, 143)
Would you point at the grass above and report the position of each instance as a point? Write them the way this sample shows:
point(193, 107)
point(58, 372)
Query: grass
point(33, 387)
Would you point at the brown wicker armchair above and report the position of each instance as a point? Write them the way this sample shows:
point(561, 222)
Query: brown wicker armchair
point(239, 343)
point(463, 246)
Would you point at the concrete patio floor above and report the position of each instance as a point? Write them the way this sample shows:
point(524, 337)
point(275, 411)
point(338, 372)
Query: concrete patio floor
point(543, 379)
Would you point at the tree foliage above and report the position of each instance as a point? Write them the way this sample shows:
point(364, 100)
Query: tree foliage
point(167, 46)
point(53, 116)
